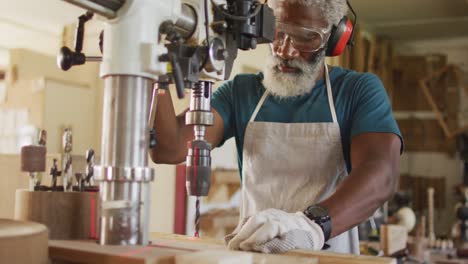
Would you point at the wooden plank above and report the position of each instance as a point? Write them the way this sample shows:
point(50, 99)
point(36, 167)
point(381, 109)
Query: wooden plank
point(408, 71)
point(324, 257)
point(165, 247)
point(220, 176)
point(425, 135)
point(91, 253)
point(440, 118)
point(393, 238)
point(215, 257)
point(162, 251)
point(450, 112)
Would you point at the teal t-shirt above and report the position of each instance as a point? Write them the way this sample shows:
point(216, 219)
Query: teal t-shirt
point(361, 103)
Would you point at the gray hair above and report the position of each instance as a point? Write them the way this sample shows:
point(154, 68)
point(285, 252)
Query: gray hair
point(333, 10)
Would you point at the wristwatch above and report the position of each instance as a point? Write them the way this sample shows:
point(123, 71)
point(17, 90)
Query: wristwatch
point(320, 216)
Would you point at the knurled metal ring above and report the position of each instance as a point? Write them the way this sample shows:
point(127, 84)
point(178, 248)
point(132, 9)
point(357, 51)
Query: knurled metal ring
point(123, 174)
point(199, 118)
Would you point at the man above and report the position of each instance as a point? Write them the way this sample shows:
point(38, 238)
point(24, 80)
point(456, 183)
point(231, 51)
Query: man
point(318, 149)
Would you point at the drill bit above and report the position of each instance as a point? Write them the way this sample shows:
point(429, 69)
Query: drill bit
point(197, 218)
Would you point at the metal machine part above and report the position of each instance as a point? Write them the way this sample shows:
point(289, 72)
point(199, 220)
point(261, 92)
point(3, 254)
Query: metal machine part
point(79, 177)
point(54, 172)
point(89, 171)
point(68, 58)
point(105, 8)
point(41, 141)
point(198, 170)
point(245, 24)
point(216, 56)
point(124, 175)
point(131, 49)
point(187, 23)
point(67, 170)
point(135, 56)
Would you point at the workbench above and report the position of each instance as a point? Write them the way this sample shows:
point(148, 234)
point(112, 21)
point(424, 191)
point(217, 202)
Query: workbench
point(177, 249)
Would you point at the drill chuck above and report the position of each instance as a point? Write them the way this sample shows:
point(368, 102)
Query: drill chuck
point(198, 171)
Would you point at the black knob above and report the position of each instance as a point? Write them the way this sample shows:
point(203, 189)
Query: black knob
point(67, 58)
point(152, 139)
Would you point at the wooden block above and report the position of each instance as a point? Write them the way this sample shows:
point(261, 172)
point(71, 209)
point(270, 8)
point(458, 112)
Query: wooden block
point(220, 176)
point(221, 218)
point(68, 215)
point(90, 252)
point(215, 257)
point(393, 238)
point(23, 242)
point(11, 179)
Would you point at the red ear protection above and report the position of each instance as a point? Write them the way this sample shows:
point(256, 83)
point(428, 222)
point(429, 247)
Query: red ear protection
point(340, 37)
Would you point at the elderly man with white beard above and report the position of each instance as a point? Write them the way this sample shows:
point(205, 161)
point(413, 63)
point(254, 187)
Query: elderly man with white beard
point(318, 146)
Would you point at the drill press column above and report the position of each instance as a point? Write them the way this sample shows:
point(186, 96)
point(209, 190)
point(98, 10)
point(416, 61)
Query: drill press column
point(124, 176)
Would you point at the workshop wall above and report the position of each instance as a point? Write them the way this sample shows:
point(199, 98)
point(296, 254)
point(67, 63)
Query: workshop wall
point(32, 74)
point(436, 157)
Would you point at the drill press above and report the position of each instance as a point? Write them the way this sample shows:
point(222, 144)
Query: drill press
point(199, 39)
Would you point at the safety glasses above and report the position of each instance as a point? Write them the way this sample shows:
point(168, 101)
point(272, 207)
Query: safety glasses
point(301, 38)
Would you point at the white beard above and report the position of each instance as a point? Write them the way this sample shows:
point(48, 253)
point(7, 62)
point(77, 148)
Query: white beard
point(283, 84)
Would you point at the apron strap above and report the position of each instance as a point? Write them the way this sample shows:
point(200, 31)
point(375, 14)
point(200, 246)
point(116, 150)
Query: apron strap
point(260, 103)
point(330, 95)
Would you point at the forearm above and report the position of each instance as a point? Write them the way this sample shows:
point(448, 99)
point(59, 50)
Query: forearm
point(360, 194)
point(171, 146)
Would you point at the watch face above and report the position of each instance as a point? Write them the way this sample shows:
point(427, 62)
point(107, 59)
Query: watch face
point(317, 211)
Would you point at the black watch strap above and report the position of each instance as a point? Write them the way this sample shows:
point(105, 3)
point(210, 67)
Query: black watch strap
point(326, 228)
point(321, 217)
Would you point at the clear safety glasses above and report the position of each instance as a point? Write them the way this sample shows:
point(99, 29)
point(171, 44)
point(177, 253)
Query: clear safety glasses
point(302, 38)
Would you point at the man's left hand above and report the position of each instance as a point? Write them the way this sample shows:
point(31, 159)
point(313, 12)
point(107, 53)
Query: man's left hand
point(276, 231)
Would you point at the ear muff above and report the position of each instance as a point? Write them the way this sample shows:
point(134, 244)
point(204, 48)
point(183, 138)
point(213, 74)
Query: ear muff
point(340, 37)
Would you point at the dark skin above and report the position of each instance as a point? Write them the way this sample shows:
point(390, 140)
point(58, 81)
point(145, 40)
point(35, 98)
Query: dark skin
point(375, 157)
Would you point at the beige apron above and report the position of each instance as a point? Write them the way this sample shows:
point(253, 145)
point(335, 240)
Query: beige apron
point(290, 166)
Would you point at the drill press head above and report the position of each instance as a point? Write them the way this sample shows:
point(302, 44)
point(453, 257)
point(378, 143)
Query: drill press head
point(198, 171)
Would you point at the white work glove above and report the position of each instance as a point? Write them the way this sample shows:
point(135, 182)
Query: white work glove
point(276, 231)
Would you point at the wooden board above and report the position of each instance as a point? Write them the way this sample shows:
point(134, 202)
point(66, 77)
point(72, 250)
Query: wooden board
point(425, 135)
point(324, 257)
point(165, 247)
point(91, 253)
point(408, 70)
point(393, 238)
point(161, 252)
